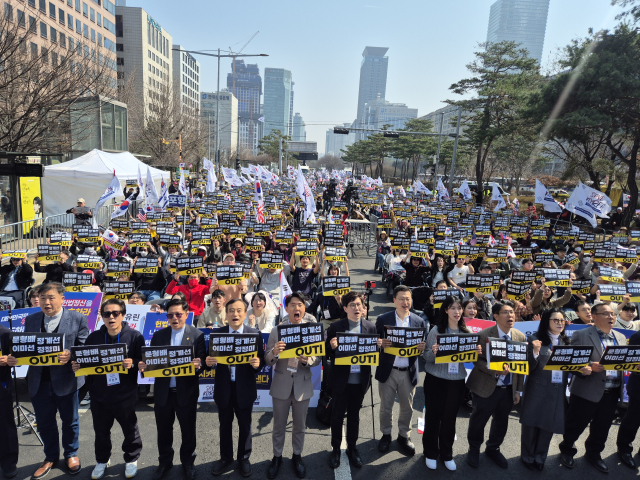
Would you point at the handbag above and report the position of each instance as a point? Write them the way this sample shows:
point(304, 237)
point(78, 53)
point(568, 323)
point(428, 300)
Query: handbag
point(325, 407)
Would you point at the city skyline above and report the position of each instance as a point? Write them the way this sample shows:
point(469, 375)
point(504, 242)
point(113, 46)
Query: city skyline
point(425, 54)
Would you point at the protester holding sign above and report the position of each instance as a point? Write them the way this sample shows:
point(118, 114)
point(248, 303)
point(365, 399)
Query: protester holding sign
point(398, 375)
point(235, 393)
point(54, 389)
point(114, 396)
point(291, 386)
point(494, 391)
point(631, 421)
point(177, 396)
point(8, 430)
point(445, 384)
point(348, 383)
point(594, 393)
point(15, 277)
point(195, 290)
point(545, 400)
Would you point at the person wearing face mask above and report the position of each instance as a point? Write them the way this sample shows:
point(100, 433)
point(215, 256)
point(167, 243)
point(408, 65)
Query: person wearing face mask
point(194, 291)
point(150, 284)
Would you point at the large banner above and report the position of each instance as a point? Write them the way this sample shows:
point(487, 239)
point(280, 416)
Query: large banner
point(87, 303)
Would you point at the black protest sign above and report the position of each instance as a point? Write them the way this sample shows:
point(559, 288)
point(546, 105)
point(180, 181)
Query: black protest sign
point(118, 290)
point(611, 274)
point(139, 240)
point(440, 296)
point(200, 237)
point(229, 274)
point(138, 227)
point(569, 358)
point(522, 252)
point(404, 340)
point(165, 230)
point(426, 237)
point(119, 225)
point(556, 277)
point(605, 255)
point(308, 234)
point(634, 289)
point(234, 349)
point(88, 235)
point(471, 251)
point(48, 254)
point(246, 269)
point(419, 250)
point(335, 285)
point(621, 357)
point(582, 286)
point(626, 255)
point(517, 291)
point(211, 269)
point(237, 231)
point(189, 265)
point(457, 347)
point(38, 349)
point(75, 282)
point(497, 254)
point(168, 240)
point(99, 359)
point(445, 248)
point(284, 236)
point(304, 339)
point(116, 268)
point(89, 261)
point(271, 260)
point(253, 244)
point(479, 283)
point(307, 249)
point(335, 254)
point(384, 223)
point(208, 223)
point(514, 354)
point(612, 292)
point(572, 259)
point(60, 238)
point(356, 349)
point(168, 361)
point(145, 265)
point(520, 276)
point(543, 258)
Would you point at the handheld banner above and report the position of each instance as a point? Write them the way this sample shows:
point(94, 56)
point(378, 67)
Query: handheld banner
point(144, 265)
point(439, 296)
point(517, 291)
point(621, 357)
point(556, 277)
point(60, 238)
point(189, 265)
point(479, 283)
point(356, 349)
point(569, 358)
point(139, 240)
point(229, 274)
point(168, 361)
point(253, 244)
point(284, 236)
point(271, 260)
point(582, 286)
point(48, 254)
point(304, 339)
point(75, 282)
point(457, 347)
point(335, 254)
point(611, 275)
point(37, 349)
point(634, 289)
point(88, 235)
point(99, 359)
point(138, 227)
point(89, 261)
point(419, 250)
point(335, 285)
point(509, 352)
point(404, 340)
point(612, 292)
point(307, 249)
point(118, 290)
point(234, 349)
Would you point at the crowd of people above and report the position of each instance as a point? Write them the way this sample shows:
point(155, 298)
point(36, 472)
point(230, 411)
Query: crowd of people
point(444, 262)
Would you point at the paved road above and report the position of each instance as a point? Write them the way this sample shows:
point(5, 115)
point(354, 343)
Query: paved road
point(392, 465)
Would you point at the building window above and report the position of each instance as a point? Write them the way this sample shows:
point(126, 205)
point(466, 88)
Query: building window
point(43, 30)
point(99, 20)
point(149, 67)
point(54, 34)
point(85, 30)
point(61, 16)
point(70, 21)
point(93, 35)
point(119, 47)
point(78, 27)
point(52, 10)
point(85, 9)
point(62, 40)
point(110, 7)
point(34, 50)
point(32, 3)
point(21, 19)
point(121, 61)
point(70, 3)
point(92, 15)
point(78, 5)
point(32, 24)
point(71, 44)
point(43, 6)
point(100, 39)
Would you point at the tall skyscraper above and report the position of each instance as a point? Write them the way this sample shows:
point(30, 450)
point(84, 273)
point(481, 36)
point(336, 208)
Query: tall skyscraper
point(299, 133)
point(228, 106)
point(277, 100)
point(335, 143)
point(245, 83)
point(373, 77)
point(186, 78)
point(520, 21)
point(380, 112)
point(290, 132)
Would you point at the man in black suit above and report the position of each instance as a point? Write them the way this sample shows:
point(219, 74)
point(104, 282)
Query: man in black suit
point(177, 396)
point(348, 383)
point(235, 392)
point(8, 430)
point(631, 420)
point(397, 375)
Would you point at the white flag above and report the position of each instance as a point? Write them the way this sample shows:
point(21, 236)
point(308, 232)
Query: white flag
point(390, 192)
point(465, 191)
point(544, 197)
point(163, 201)
point(285, 290)
point(182, 185)
point(211, 181)
point(589, 202)
point(443, 193)
point(305, 193)
point(112, 191)
point(150, 192)
point(496, 197)
point(141, 184)
point(402, 192)
point(122, 208)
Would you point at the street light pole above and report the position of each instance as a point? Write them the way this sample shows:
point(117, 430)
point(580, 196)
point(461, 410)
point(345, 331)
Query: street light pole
point(455, 151)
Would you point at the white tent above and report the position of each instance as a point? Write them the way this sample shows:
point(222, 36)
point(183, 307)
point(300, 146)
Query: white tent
point(88, 177)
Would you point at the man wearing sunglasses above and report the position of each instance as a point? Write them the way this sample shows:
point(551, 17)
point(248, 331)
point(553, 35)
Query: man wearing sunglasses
point(177, 396)
point(114, 396)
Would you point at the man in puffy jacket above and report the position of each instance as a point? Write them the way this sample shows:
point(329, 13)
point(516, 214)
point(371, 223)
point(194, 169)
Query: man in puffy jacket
point(194, 290)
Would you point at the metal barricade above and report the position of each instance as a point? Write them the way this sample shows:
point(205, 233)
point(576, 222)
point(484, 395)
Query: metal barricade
point(24, 235)
point(361, 235)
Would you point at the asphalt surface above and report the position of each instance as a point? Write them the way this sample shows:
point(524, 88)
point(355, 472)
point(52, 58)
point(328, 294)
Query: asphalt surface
point(392, 465)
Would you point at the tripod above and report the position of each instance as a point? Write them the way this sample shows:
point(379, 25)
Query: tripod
point(25, 418)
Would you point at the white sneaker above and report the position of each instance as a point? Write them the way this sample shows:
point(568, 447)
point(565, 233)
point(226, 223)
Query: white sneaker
point(98, 471)
point(451, 465)
point(131, 469)
point(86, 401)
point(431, 464)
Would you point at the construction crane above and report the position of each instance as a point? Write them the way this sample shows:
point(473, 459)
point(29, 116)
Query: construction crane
point(233, 64)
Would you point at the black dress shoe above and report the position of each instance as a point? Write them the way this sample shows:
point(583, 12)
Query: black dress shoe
point(383, 445)
point(625, 458)
point(161, 471)
point(529, 465)
point(596, 461)
point(334, 459)
point(10, 472)
point(298, 466)
point(406, 445)
point(539, 466)
point(567, 460)
point(274, 467)
point(473, 457)
point(190, 472)
point(220, 466)
point(496, 456)
point(354, 457)
point(244, 468)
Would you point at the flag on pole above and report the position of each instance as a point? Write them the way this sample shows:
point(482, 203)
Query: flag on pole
point(402, 192)
point(150, 192)
point(182, 185)
point(122, 208)
point(285, 290)
point(465, 191)
point(259, 199)
point(390, 192)
point(496, 197)
point(141, 185)
point(544, 197)
point(142, 215)
point(112, 191)
point(163, 201)
point(443, 193)
point(110, 237)
point(589, 203)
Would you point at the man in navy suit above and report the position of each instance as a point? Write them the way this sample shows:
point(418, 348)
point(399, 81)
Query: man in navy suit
point(349, 383)
point(397, 375)
point(55, 389)
point(631, 420)
point(8, 430)
point(235, 392)
point(177, 396)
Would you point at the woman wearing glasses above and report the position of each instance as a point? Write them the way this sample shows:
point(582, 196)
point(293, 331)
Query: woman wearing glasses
point(544, 392)
point(114, 396)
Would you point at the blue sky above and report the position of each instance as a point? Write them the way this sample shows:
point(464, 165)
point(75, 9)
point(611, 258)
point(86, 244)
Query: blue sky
point(321, 42)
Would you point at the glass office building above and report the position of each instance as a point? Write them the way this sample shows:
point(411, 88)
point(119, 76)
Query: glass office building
point(277, 100)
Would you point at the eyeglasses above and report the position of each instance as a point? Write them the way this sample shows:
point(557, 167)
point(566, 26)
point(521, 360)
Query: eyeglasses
point(178, 316)
point(112, 313)
point(558, 322)
point(606, 314)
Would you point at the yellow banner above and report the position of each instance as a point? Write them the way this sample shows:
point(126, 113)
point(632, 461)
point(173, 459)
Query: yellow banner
point(179, 371)
point(565, 368)
point(40, 360)
point(137, 244)
point(471, 356)
point(612, 298)
point(230, 281)
point(364, 359)
point(420, 254)
point(337, 291)
point(634, 367)
point(102, 370)
point(336, 258)
point(236, 359)
point(307, 253)
point(145, 270)
point(311, 350)
point(276, 266)
point(515, 367)
point(48, 259)
point(558, 283)
point(118, 296)
point(191, 271)
point(480, 289)
point(77, 288)
point(90, 240)
point(91, 265)
point(614, 279)
point(403, 352)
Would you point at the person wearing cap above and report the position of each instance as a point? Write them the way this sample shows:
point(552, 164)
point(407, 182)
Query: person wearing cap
point(615, 220)
point(81, 213)
point(237, 246)
point(194, 291)
point(15, 278)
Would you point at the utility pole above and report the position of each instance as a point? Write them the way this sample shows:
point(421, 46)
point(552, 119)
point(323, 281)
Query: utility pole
point(209, 122)
point(280, 157)
point(435, 172)
point(455, 152)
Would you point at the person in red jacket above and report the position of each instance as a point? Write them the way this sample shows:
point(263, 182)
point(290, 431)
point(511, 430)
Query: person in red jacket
point(194, 291)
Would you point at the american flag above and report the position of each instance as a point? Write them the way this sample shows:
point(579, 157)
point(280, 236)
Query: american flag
point(142, 215)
